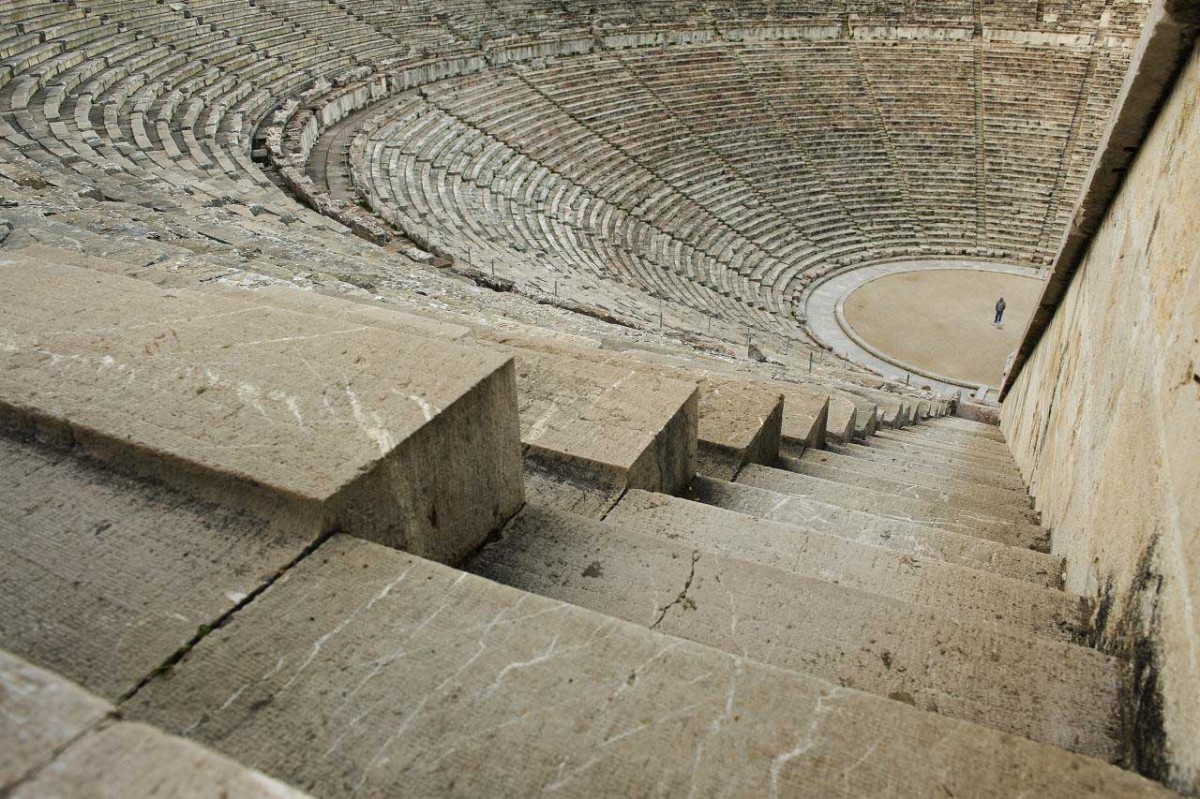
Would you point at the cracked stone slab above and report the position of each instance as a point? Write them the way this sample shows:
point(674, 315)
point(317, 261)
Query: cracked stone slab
point(105, 576)
point(955, 520)
point(930, 542)
point(368, 671)
point(56, 739)
point(989, 674)
point(406, 440)
point(134, 761)
point(970, 594)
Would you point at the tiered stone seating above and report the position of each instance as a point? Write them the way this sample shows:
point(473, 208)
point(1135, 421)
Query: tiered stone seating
point(315, 626)
point(260, 520)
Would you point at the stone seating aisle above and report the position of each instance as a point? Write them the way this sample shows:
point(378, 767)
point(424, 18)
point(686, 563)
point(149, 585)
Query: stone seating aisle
point(308, 644)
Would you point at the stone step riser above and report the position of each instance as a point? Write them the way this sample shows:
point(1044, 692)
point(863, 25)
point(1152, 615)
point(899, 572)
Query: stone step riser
point(1015, 497)
point(1047, 691)
point(967, 593)
point(896, 507)
point(933, 466)
point(968, 502)
point(968, 551)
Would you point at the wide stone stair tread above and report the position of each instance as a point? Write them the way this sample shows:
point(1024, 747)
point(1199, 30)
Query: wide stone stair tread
point(906, 537)
point(957, 470)
point(1048, 691)
point(882, 442)
point(970, 594)
point(955, 520)
point(928, 490)
point(986, 484)
point(1007, 504)
point(368, 670)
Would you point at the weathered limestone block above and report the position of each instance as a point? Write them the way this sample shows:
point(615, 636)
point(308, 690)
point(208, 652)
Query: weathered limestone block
point(134, 761)
point(373, 672)
point(1044, 690)
point(40, 714)
point(58, 740)
point(968, 593)
point(402, 439)
point(917, 539)
point(591, 430)
point(740, 423)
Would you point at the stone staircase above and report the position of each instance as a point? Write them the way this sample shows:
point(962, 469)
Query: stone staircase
point(204, 525)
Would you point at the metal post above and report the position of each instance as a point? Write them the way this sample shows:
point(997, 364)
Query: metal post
point(660, 314)
point(493, 267)
point(907, 379)
point(556, 288)
point(810, 359)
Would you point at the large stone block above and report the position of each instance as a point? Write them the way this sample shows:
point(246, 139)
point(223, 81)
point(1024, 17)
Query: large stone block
point(370, 672)
point(402, 439)
point(592, 430)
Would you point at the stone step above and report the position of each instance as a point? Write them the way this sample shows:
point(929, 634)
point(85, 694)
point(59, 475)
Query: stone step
point(1044, 690)
point(932, 465)
point(591, 431)
point(590, 426)
point(967, 501)
point(106, 576)
point(842, 421)
point(59, 740)
point(970, 594)
point(866, 419)
point(883, 441)
point(330, 424)
point(921, 473)
point(985, 445)
point(893, 410)
point(906, 537)
point(740, 421)
point(892, 506)
point(970, 427)
point(367, 670)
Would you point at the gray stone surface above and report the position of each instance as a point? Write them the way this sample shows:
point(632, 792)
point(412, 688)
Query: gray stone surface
point(40, 715)
point(906, 488)
point(928, 471)
point(1007, 503)
point(956, 591)
point(947, 454)
point(740, 423)
point(370, 672)
point(591, 425)
point(1044, 690)
point(134, 761)
point(963, 472)
point(842, 420)
point(409, 441)
point(955, 520)
point(106, 576)
point(931, 542)
point(58, 740)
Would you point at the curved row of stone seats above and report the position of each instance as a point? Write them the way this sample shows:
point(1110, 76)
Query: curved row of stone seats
point(177, 94)
point(61, 740)
point(517, 139)
point(437, 143)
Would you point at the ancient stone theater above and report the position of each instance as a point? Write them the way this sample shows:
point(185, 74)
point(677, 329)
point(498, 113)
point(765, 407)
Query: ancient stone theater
point(599, 398)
